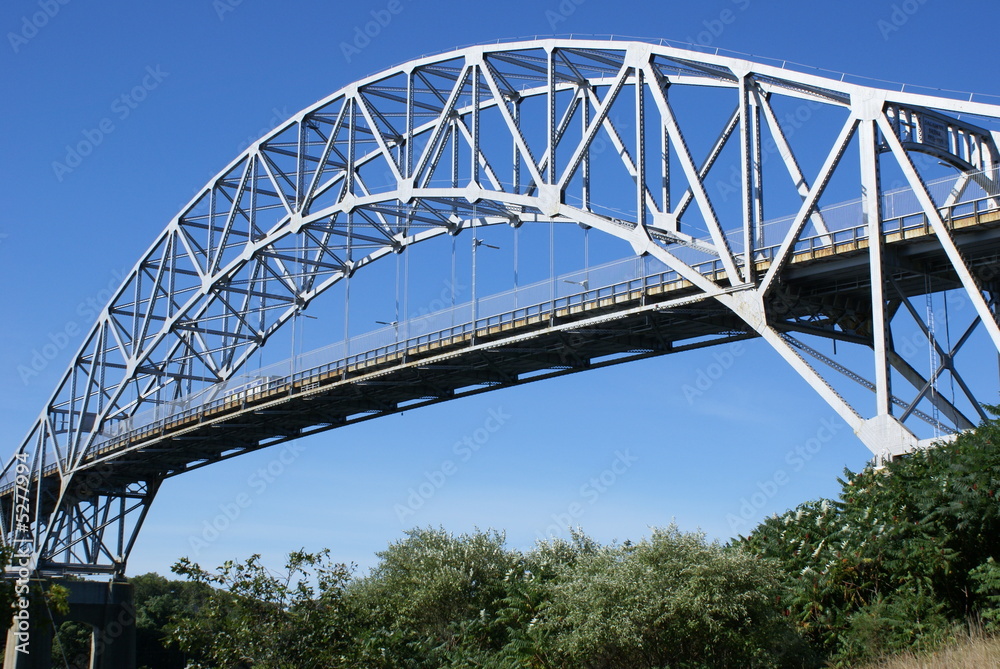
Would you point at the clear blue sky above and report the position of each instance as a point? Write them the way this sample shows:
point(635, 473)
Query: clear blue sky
point(220, 74)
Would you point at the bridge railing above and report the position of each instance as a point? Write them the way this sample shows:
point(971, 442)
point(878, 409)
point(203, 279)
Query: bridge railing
point(899, 209)
point(269, 381)
point(272, 379)
point(628, 277)
point(904, 224)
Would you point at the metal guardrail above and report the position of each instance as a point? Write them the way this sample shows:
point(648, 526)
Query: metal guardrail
point(303, 381)
point(298, 381)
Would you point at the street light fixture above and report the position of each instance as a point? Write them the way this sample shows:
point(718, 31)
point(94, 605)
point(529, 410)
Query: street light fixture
point(295, 320)
point(476, 243)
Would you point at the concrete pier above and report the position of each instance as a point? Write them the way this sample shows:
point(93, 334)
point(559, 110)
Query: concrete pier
point(105, 606)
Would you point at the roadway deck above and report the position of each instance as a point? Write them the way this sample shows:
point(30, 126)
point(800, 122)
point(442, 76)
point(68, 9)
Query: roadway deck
point(826, 282)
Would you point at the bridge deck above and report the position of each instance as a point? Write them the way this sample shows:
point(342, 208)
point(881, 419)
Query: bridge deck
point(594, 328)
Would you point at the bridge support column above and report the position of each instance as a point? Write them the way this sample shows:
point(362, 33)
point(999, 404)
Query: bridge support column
point(105, 606)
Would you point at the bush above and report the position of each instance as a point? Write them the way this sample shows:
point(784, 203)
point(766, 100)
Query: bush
point(902, 559)
point(673, 600)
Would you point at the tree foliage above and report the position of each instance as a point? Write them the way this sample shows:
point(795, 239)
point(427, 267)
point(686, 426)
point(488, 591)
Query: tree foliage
point(673, 600)
point(903, 559)
point(440, 600)
point(433, 599)
point(159, 605)
point(256, 618)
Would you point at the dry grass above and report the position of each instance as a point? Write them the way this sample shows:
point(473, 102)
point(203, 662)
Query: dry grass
point(975, 652)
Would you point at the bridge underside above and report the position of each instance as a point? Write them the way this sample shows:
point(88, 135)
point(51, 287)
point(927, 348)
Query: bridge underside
point(828, 296)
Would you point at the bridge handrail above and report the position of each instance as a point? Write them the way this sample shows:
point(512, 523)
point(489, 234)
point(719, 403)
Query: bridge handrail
point(835, 238)
point(298, 381)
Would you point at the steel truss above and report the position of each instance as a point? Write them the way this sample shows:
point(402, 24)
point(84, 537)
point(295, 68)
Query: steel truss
point(506, 135)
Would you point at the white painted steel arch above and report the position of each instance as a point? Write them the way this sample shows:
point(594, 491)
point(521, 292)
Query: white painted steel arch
point(304, 207)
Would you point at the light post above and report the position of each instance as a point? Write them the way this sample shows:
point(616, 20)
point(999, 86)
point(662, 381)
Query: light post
point(476, 243)
point(295, 326)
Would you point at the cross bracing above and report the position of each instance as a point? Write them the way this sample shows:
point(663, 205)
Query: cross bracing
point(519, 135)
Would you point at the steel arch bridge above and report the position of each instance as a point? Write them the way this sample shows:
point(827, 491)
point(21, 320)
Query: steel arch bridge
point(506, 135)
